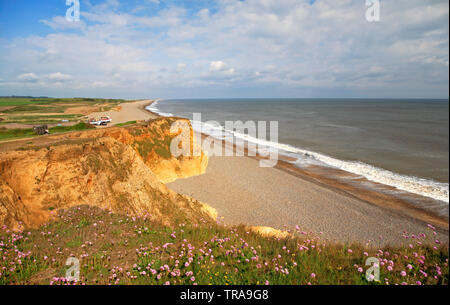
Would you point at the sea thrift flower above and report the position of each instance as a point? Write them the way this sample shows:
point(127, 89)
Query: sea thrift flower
point(313, 275)
point(403, 273)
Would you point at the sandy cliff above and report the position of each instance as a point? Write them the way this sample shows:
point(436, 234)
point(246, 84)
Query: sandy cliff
point(121, 169)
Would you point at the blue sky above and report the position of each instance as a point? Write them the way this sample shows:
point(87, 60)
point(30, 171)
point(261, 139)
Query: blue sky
point(225, 48)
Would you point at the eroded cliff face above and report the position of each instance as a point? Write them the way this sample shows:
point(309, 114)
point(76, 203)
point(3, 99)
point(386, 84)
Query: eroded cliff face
point(120, 169)
point(152, 142)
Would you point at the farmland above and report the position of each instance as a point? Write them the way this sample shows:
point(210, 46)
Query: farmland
point(18, 115)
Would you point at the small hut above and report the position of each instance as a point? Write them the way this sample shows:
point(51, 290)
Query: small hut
point(41, 130)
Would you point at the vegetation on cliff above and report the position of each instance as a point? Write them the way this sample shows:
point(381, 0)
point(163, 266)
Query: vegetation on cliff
point(14, 133)
point(24, 112)
point(104, 168)
point(120, 249)
point(99, 196)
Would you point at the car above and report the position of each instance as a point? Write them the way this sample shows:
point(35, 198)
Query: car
point(106, 119)
point(94, 122)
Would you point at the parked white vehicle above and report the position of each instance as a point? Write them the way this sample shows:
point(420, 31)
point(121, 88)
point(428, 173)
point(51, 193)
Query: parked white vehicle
point(95, 122)
point(106, 119)
point(101, 121)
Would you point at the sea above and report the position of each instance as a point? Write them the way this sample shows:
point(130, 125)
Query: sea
point(401, 143)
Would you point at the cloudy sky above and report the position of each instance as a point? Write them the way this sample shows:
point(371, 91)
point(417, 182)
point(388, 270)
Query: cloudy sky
point(225, 48)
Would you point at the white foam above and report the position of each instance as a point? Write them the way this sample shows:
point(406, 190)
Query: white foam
point(415, 185)
point(153, 108)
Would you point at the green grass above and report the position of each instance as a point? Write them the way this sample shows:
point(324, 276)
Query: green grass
point(40, 119)
point(115, 249)
point(33, 109)
point(34, 122)
point(20, 110)
point(126, 123)
point(74, 243)
point(13, 101)
point(77, 127)
point(9, 134)
point(53, 116)
point(160, 147)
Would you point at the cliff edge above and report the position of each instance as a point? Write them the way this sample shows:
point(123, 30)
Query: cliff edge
point(119, 169)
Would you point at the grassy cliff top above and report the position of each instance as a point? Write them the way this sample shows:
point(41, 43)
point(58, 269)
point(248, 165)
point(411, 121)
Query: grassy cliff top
point(24, 112)
point(120, 249)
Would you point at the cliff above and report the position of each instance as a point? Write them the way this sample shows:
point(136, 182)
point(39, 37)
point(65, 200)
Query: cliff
point(119, 169)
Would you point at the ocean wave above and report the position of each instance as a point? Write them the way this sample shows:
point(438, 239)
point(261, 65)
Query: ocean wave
point(415, 185)
point(153, 109)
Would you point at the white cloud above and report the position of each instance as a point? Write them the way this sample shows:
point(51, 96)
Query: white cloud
point(288, 44)
point(60, 23)
point(28, 78)
point(203, 13)
point(229, 71)
point(59, 77)
point(181, 67)
point(217, 66)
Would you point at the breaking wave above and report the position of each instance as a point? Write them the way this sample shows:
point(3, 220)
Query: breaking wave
point(415, 185)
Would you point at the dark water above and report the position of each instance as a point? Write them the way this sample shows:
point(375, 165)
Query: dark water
point(403, 143)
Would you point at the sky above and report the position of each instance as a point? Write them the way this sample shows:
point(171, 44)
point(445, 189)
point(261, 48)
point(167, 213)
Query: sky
point(225, 49)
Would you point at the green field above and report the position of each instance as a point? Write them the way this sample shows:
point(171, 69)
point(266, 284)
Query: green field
point(126, 123)
point(8, 134)
point(17, 133)
point(13, 101)
point(28, 111)
point(18, 101)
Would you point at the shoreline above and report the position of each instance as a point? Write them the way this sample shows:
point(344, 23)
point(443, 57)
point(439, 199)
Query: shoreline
point(330, 179)
point(130, 111)
point(285, 196)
